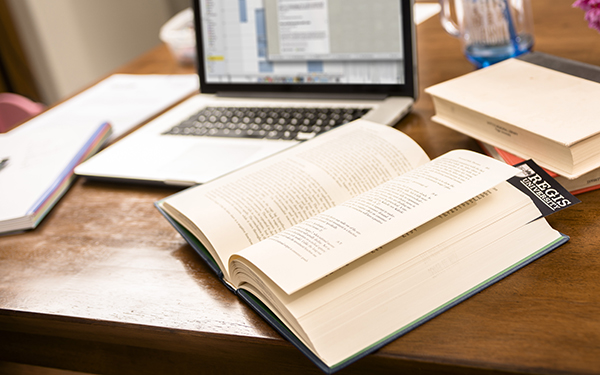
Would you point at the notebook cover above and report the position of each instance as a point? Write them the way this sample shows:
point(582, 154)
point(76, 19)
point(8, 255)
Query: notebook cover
point(57, 189)
point(63, 182)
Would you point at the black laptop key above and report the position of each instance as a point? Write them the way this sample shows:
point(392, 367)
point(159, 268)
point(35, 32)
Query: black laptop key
point(270, 123)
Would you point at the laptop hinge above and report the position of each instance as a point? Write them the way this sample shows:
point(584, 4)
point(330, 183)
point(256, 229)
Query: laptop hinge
point(302, 95)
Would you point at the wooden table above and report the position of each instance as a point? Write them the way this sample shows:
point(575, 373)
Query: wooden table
point(106, 285)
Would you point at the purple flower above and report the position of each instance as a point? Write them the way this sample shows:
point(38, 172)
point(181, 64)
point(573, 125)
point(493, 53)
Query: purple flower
point(586, 4)
point(592, 12)
point(593, 18)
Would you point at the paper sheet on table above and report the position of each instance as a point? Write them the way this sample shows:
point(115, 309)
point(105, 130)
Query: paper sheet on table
point(123, 100)
point(424, 11)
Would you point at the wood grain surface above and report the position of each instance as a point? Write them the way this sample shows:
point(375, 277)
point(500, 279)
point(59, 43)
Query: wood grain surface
point(106, 285)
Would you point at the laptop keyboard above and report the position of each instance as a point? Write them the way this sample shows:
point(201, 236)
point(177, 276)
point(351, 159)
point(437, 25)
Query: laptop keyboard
point(272, 123)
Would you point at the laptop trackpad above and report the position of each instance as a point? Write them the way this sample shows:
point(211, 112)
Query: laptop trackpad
point(201, 163)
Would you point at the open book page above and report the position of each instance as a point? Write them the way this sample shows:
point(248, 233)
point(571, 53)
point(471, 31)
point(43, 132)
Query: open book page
point(433, 263)
point(326, 242)
point(358, 305)
point(262, 199)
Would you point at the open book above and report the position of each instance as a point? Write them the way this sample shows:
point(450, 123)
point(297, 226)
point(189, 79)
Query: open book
point(351, 239)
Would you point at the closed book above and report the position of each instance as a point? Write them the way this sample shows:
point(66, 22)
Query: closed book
point(588, 182)
point(537, 106)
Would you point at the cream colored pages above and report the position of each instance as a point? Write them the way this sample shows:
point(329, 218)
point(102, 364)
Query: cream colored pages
point(261, 200)
point(441, 259)
point(536, 99)
point(392, 308)
point(326, 242)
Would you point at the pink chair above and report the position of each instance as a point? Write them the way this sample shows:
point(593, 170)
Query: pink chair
point(15, 109)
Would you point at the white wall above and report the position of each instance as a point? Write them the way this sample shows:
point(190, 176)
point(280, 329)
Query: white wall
point(70, 44)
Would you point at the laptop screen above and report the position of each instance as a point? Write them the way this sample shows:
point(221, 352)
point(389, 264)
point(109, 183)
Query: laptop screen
point(334, 46)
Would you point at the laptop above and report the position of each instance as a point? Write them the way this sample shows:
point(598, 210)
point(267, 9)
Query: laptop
point(272, 73)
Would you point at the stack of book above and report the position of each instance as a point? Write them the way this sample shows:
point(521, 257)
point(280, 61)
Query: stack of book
point(537, 106)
